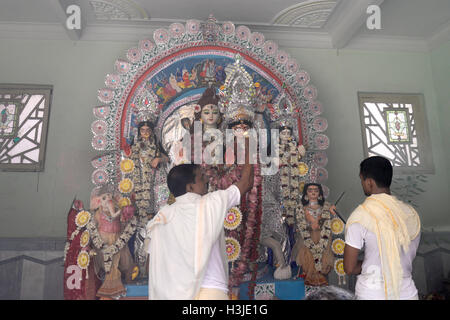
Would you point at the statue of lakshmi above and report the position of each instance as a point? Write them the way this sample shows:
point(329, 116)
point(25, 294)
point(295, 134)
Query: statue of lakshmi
point(149, 172)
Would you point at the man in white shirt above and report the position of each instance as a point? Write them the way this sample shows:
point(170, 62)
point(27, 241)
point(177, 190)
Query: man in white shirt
point(389, 229)
point(186, 242)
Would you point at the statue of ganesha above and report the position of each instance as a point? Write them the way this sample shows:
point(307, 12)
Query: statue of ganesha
point(109, 226)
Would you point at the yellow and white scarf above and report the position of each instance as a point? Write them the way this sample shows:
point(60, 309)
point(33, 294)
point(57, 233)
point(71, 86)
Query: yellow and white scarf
point(395, 224)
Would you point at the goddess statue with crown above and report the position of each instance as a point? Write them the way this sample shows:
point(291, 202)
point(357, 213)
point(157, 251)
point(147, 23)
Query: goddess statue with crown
point(147, 164)
point(247, 226)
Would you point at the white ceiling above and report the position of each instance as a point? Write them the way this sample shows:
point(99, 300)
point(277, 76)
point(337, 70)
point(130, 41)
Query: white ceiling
point(414, 24)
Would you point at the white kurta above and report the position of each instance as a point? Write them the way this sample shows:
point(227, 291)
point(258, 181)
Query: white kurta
point(181, 238)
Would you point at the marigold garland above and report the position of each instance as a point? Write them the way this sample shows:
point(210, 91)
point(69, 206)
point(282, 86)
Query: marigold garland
point(81, 219)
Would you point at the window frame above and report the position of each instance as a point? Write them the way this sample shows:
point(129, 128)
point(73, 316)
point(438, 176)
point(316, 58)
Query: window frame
point(417, 102)
point(47, 92)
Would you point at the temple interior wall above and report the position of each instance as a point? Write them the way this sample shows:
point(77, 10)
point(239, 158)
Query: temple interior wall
point(34, 205)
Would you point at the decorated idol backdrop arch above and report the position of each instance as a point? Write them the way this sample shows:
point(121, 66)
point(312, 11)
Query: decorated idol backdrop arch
point(178, 65)
point(166, 75)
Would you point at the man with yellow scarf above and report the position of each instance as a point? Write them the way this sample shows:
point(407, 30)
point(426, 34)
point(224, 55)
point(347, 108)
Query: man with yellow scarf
point(389, 229)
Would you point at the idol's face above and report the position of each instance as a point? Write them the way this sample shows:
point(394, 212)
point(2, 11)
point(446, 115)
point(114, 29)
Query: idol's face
point(285, 135)
point(240, 130)
point(145, 132)
point(313, 193)
point(210, 114)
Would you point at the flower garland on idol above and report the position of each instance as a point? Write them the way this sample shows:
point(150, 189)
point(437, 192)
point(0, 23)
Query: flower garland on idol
point(143, 176)
point(325, 234)
point(81, 220)
point(290, 176)
point(110, 250)
point(248, 234)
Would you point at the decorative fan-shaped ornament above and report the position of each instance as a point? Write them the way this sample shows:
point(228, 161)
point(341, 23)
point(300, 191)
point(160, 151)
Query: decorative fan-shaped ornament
point(99, 177)
point(322, 175)
point(84, 239)
point(101, 112)
point(122, 66)
point(126, 166)
point(146, 45)
point(161, 36)
point(320, 124)
point(270, 48)
point(83, 259)
point(98, 127)
point(228, 28)
point(176, 30)
point(257, 39)
point(134, 55)
point(339, 267)
point(99, 162)
point(105, 95)
point(316, 108)
point(232, 249)
point(310, 92)
point(337, 246)
point(292, 65)
point(99, 142)
point(243, 32)
point(282, 57)
point(82, 218)
point(112, 81)
point(123, 202)
point(303, 169)
point(321, 141)
point(126, 186)
point(337, 226)
point(233, 219)
point(320, 158)
point(302, 78)
point(192, 26)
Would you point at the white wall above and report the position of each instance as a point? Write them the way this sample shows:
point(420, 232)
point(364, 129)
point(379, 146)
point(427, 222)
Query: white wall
point(36, 204)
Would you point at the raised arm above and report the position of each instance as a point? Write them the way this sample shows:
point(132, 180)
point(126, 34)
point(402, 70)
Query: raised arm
point(246, 183)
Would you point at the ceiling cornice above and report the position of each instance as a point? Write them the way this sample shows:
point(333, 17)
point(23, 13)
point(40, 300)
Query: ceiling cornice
point(439, 37)
point(284, 36)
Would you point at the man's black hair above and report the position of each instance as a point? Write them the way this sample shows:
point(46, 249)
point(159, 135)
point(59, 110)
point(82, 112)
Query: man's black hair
point(379, 169)
point(179, 177)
